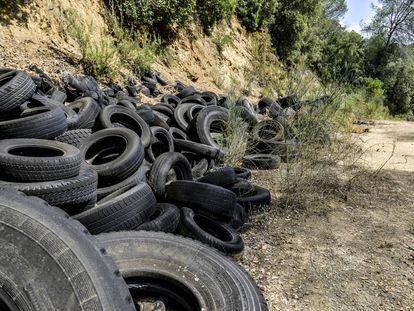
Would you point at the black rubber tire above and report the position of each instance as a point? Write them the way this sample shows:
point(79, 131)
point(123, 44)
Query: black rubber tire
point(194, 99)
point(242, 173)
point(223, 177)
point(126, 104)
point(116, 116)
point(204, 121)
point(166, 162)
point(176, 133)
point(87, 109)
point(132, 180)
point(186, 92)
point(75, 137)
point(180, 116)
point(256, 198)
point(193, 111)
point(162, 142)
point(165, 219)
point(124, 149)
point(261, 161)
point(202, 197)
point(210, 98)
point(197, 148)
point(164, 108)
point(239, 219)
point(15, 88)
point(158, 121)
point(125, 209)
point(49, 261)
point(269, 131)
point(171, 100)
point(146, 114)
point(265, 102)
point(220, 283)
point(211, 232)
point(46, 124)
point(67, 194)
point(30, 160)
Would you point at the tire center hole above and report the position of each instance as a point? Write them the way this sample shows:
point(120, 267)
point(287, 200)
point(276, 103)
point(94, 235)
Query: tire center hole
point(33, 151)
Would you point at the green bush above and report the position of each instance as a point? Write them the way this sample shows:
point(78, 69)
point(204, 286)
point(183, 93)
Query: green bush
point(255, 14)
point(213, 11)
point(154, 14)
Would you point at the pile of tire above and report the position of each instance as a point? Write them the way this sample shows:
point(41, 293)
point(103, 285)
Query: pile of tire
point(102, 160)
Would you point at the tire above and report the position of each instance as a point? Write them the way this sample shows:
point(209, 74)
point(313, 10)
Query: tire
point(132, 180)
point(75, 137)
point(45, 124)
point(115, 116)
point(146, 114)
point(197, 148)
point(201, 197)
point(176, 133)
point(193, 111)
point(163, 164)
point(194, 99)
point(171, 100)
point(124, 209)
point(162, 143)
point(114, 153)
point(269, 132)
point(240, 218)
point(56, 265)
point(262, 161)
point(211, 232)
point(164, 108)
point(242, 173)
point(265, 102)
point(15, 88)
point(186, 92)
point(126, 104)
point(254, 199)
point(210, 98)
point(87, 109)
point(223, 177)
point(180, 116)
point(67, 194)
point(160, 260)
point(204, 124)
point(165, 219)
point(30, 160)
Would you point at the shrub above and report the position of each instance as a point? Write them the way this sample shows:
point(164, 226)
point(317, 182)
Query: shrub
point(254, 14)
point(153, 14)
point(213, 11)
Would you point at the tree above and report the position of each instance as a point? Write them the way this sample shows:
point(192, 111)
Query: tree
point(334, 9)
point(394, 20)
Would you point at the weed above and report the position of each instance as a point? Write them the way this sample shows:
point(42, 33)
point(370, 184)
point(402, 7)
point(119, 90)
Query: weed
point(221, 40)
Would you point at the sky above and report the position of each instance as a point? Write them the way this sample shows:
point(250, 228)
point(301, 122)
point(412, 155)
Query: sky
point(358, 10)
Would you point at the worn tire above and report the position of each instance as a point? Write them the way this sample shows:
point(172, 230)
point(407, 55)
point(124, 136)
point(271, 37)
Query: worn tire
point(204, 121)
point(116, 116)
point(124, 209)
point(165, 219)
point(15, 88)
point(49, 262)
point(30, 160)
point(163, 164)
point(211, 232)
point(203, 272)
point(197, 148)
point(223, 177)
point(115, 153)
point(162, 142)
point(67, 194)
point(87, 110)
point(45, 124)
point(202, 197)
point(253, 199)
point(262, 161)
point(75, 137)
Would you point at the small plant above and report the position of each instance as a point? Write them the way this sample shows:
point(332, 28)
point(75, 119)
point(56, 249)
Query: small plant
point(221, 40)
point(99, 53)
point(213, 11)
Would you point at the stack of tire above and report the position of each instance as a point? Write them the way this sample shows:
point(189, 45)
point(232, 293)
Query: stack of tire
point(116, 165)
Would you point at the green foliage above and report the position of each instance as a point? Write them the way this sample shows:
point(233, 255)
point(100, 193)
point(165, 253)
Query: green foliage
point(213, 11)
point(153, 14)
point(221, 40)
point(340, 55)
point(334, 9)
point(255, 14)
point(292, 21)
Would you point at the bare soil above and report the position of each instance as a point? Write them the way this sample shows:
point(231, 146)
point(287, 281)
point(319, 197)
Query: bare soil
point(356, 253)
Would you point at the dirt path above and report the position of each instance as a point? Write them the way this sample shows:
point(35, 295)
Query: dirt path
point(358, 253)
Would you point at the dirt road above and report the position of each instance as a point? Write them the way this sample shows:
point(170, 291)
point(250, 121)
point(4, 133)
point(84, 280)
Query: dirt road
point(355, 254)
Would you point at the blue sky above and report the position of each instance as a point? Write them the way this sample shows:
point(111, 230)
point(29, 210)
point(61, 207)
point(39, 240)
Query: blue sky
point(358, 10)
